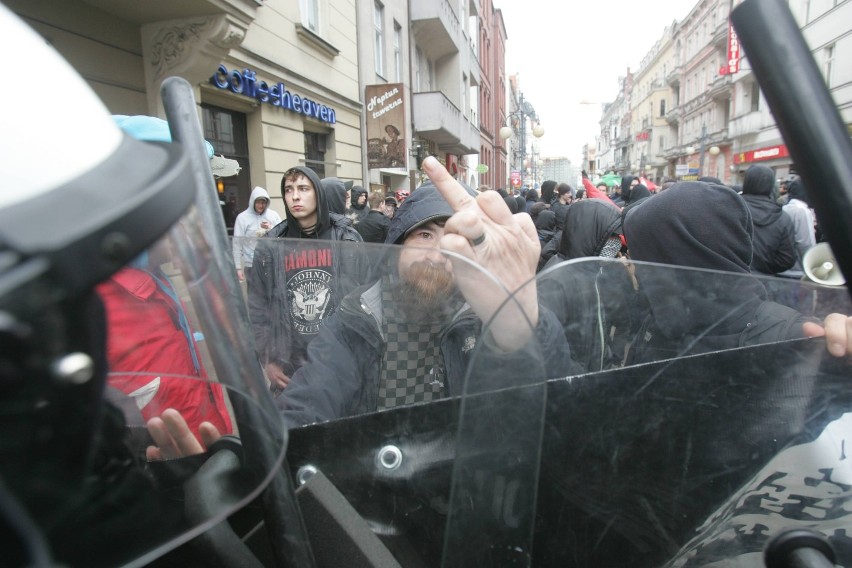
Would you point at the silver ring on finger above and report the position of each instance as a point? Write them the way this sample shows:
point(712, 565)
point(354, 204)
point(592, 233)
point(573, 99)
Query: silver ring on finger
point(478, 240)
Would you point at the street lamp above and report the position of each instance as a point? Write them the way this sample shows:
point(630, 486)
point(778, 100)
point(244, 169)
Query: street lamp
point(525, 111)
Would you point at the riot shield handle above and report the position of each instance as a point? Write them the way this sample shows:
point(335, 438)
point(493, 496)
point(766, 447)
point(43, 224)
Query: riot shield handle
point(799, 548)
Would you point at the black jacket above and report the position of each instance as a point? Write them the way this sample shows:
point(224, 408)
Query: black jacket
point(774, 236)
point(373, 228)
point(723, 306)
point(344, 370)
point(593, 300)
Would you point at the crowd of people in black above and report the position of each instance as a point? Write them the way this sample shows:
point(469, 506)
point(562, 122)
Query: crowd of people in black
point(342, 332)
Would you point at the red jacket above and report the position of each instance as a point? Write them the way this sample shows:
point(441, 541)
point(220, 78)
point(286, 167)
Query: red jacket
point(144, 335)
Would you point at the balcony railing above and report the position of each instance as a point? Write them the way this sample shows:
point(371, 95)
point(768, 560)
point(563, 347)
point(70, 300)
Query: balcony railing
point(750, 123)
point(721, 87)
point(673, 115)
point(673, 76)
point(437, 118)
point(436, 27)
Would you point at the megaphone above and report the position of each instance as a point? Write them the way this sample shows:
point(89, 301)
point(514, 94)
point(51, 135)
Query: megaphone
point(821, 266)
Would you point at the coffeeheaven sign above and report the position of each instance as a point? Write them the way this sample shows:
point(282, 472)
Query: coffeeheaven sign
point(245, 83)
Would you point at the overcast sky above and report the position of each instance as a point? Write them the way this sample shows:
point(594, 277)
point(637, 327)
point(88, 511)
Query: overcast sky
point(574, 50)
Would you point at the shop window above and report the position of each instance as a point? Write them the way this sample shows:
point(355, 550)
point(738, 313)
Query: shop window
point(226, 131)
point(315, 148)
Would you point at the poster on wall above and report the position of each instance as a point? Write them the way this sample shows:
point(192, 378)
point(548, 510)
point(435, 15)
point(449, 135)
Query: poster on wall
point(385, 126)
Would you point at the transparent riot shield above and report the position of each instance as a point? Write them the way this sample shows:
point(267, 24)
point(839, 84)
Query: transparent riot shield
point(376, 342)
point(639, 456)
point(701, 423)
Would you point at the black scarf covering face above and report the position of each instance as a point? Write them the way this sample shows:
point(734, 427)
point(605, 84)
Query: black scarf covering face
point(588, 225)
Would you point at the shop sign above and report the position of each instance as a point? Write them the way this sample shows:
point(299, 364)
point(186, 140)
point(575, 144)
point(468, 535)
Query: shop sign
point(515, 176)
point(762, 154)
point(246, 83)
point(386, 131)
point(733, 51)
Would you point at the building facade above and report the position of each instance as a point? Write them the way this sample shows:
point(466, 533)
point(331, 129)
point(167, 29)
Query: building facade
point(276, 81)
point(704, 88)
point(615, 141)
point(696, 100)
point(560, 170)
point(493, 154)
point(445, 84)
point(384, 77)
point(650, 101)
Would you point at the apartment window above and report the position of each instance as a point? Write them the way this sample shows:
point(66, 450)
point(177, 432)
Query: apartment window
point(464, 95)
point(315, 147)
point(378, 24)
point(397, 52)
point(661, 141)
point(418, 58)
point(755, 97)
point(662, 107)
point(311, 15)
point(828, 64)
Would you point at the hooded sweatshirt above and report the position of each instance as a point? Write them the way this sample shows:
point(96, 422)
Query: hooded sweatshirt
point(708, 226)
point(248, 224)
point(335, 194)
point(298, 284)
point(548, 192)
point(354, 211)
point(774, 240)
point(624, 196)
point(367, 356)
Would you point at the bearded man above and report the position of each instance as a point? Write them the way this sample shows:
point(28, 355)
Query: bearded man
point(410, 336)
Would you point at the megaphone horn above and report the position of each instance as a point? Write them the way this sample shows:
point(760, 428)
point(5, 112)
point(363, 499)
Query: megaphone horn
point(821, 266)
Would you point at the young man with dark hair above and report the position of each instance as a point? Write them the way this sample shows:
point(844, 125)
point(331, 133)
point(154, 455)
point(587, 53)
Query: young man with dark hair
point(565, 196)
point(296, 287)
point(373, 228)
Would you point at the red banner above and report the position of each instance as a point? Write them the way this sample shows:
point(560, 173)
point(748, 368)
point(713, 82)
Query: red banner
point(515, 176)
point(733, 50)
point(761, 154)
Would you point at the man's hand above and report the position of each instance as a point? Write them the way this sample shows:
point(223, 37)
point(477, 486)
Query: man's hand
point(506, 246)
point(837, 331)
point(240, 274)
point(278, 381)
point(174, 438)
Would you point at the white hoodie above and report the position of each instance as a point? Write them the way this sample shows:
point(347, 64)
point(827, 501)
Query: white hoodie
point(248, 225)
